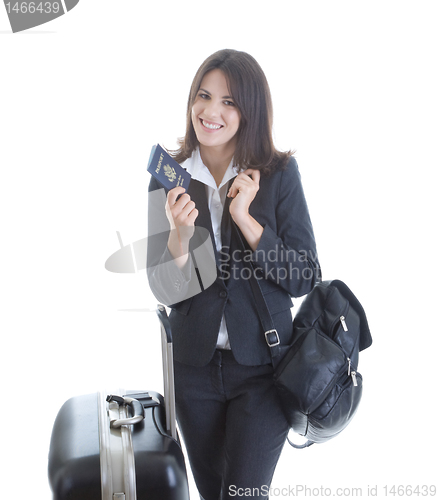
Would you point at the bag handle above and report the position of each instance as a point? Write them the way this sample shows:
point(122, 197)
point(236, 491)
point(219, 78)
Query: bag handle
point(168, 375)
point(300, 446)
point(137, 410)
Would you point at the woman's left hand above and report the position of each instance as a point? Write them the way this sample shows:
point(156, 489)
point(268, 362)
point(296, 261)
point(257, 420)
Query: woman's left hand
point(243, 191)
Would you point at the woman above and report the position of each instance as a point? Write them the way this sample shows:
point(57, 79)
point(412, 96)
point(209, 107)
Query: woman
point(227, 407)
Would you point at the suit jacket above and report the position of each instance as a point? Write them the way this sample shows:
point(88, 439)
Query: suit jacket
point(286, 262)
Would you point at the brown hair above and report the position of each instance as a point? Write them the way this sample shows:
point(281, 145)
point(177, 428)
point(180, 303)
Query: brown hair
point(250, 91)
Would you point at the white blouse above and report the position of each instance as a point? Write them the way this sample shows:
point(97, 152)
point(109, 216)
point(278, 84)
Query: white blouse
point(216, 199)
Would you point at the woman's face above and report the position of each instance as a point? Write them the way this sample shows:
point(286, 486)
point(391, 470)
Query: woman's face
point(215, 117)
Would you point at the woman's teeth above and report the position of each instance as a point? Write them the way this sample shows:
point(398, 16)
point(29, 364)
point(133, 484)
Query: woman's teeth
point(210, 125)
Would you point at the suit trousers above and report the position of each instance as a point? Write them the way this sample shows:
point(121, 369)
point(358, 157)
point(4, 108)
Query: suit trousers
point(232, 425)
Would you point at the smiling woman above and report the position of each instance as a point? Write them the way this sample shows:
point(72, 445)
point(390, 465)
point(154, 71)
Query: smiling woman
point(228, 410)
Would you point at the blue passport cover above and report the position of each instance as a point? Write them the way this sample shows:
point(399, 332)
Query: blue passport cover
point(166, 170)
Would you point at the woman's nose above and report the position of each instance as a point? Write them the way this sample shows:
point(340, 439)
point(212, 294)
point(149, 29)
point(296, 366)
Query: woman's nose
point(211, 108)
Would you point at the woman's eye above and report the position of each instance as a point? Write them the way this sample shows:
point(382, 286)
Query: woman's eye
point(229, 103)
point(204, 96)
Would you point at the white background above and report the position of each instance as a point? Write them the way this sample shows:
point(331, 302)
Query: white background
point(83, 99)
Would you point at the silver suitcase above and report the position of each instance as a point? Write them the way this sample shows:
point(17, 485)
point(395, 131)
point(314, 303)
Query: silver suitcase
point(120, 447)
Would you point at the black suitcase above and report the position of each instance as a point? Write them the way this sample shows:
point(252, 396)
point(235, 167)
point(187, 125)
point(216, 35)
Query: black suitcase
point(122, 447)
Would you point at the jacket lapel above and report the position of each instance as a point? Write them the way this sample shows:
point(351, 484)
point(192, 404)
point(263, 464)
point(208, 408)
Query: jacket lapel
point(226, 222)
point(197, 193)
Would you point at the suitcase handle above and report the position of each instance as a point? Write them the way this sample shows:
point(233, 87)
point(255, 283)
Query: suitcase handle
point(136, 408)
point(168, 375)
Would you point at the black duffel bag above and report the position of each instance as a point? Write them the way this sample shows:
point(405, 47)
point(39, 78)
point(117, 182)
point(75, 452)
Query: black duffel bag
point(317, 378)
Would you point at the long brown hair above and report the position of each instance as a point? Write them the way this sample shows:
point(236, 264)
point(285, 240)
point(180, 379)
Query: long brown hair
point(250, 91)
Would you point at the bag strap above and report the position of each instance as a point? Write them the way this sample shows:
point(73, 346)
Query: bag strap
point(271, 334)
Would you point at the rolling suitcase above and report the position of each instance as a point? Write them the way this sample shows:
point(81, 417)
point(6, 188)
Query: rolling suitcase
point(120, 447)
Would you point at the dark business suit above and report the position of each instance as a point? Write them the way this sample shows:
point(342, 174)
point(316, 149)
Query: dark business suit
point(215, 388)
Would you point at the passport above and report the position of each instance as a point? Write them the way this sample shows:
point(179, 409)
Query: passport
point(166, 170)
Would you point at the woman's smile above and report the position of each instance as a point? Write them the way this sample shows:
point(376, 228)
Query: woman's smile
point(210, 125)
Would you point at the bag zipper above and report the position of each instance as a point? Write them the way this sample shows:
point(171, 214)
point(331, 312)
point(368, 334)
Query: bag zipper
point(340, 319)
point(344, 323)
point(352, 373)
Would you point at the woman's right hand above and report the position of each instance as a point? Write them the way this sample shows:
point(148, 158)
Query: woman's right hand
point(181, 214)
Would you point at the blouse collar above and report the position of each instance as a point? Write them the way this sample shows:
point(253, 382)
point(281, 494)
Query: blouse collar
point(196, 168)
